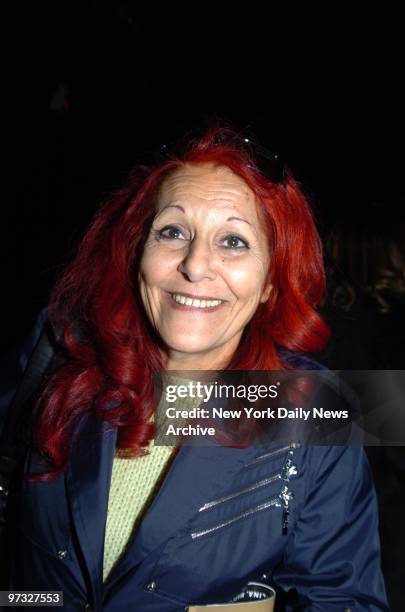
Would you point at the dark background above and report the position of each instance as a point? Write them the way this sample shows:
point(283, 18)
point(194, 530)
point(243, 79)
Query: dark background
point(93, 85)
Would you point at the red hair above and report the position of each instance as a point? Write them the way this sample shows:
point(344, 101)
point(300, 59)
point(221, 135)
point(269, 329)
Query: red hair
point(95, 307)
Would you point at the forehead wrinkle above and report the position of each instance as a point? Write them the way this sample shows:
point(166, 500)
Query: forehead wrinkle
point(229, 203)
point(181, 205)
point(232, 196)
point(185, 183)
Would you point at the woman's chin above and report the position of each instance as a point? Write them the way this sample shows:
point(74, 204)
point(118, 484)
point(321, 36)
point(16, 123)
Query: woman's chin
point(191, 356)
point(187, 351)
point(197, 356)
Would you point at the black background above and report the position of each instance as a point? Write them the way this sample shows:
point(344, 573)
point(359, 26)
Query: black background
point(93, 85)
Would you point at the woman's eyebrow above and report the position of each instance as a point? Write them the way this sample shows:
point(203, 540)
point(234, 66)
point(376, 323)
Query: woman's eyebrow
point(170, 206)
point(233, 218)
point(238, 219)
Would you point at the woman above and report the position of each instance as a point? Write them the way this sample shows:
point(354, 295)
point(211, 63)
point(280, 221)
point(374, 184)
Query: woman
point(203, 262)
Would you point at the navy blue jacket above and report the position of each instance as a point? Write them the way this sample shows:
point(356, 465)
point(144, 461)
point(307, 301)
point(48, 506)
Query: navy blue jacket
point(215, 523)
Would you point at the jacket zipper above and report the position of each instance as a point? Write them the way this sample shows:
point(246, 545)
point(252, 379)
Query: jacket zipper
point(282, 500)
point(275, 501)
point(257, 485)
point(273, 453)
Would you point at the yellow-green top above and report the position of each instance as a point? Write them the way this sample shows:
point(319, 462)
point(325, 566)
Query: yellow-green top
point(134, 483)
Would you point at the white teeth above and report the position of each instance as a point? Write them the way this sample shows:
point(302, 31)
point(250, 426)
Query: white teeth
point(182, 299)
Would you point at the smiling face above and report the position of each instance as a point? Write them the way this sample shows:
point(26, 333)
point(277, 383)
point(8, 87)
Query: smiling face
point(204, 266)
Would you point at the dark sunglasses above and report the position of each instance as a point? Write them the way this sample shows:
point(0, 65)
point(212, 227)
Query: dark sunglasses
point(267, 162)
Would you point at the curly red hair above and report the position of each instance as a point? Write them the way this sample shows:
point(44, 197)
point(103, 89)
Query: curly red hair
point(95, 307)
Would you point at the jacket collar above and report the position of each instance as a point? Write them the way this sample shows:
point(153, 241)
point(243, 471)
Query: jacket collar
point(88, 478)
point(192, 478)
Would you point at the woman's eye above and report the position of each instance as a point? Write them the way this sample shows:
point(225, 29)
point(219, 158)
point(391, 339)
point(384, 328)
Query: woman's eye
point(170, 232)
point(234, 242)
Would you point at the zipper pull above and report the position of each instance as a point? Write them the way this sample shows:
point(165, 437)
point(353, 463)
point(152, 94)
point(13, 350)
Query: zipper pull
point(286, 496)
point(286, 514)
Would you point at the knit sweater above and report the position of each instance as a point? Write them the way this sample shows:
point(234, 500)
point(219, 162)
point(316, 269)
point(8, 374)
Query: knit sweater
point(134, 483)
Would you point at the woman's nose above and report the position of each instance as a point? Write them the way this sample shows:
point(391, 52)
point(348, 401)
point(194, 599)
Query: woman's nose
point(197, 263)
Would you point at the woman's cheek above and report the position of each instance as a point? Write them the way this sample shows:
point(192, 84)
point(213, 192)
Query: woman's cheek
point(247, 278)
point(155, 261)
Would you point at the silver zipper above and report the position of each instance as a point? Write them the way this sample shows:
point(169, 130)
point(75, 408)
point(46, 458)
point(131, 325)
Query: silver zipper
point(257, 485)
point(283, 500)
point(273, 453)
point(275, 501)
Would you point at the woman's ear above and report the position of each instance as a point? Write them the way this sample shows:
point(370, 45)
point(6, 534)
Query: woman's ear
point(266, 292)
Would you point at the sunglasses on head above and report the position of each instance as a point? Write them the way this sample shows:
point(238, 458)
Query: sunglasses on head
point(267, 162)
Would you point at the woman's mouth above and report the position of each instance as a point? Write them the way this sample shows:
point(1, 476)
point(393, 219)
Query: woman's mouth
point(184, 300)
